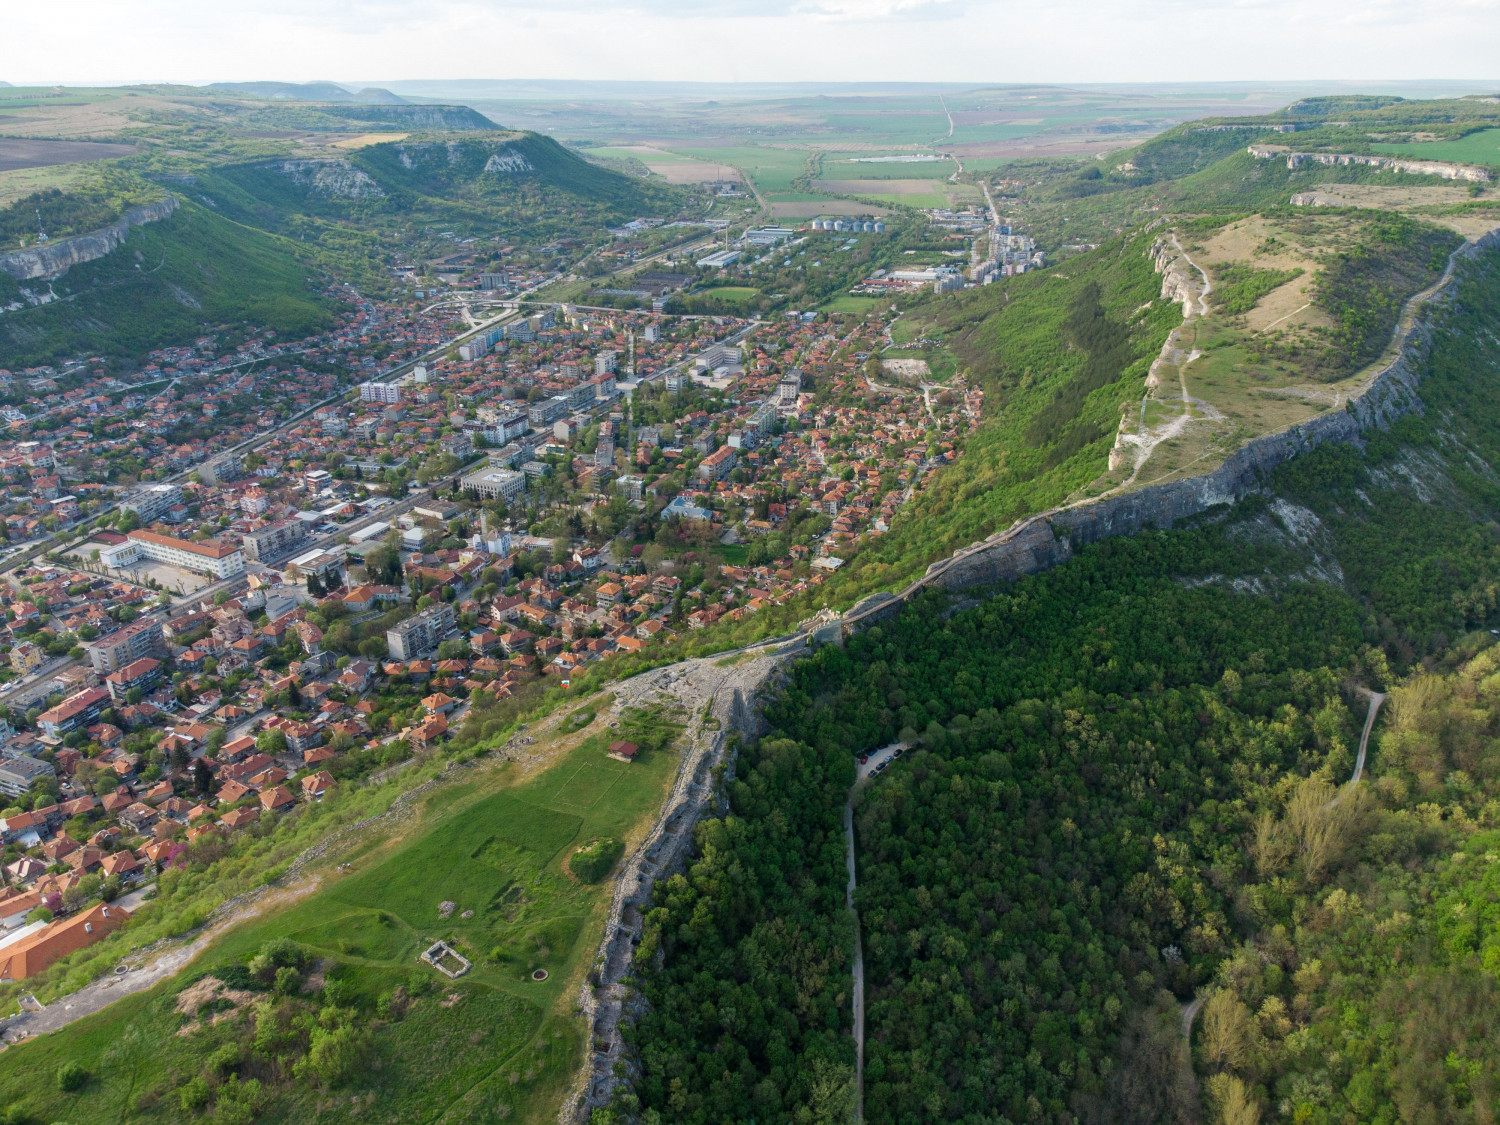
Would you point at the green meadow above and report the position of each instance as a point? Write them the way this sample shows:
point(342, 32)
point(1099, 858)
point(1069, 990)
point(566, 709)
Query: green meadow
point(484, 869)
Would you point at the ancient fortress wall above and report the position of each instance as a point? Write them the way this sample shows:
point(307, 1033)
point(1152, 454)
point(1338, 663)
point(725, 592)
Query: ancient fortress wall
point(53, 259)
point(1054, 536)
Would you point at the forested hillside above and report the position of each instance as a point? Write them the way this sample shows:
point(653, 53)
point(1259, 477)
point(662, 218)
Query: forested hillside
point(1127, 788)
point(520, 185)
point(168, 281)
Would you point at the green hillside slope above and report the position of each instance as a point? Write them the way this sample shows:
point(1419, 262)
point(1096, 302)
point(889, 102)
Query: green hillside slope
point(1122, 791)
point(522, 185)
point(170, 280)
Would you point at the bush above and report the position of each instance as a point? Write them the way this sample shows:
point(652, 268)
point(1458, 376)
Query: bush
point(336, 1055)
point(595, 860)
point(278, 953)
point(71, 1076)
point(193, 1094)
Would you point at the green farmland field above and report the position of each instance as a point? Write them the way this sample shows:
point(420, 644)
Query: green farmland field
point(1482, 147)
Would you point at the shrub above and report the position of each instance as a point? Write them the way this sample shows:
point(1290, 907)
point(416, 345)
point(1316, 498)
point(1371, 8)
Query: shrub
point(336, 1055)
point(193, 1094)
point(595, 860)
point(71, 1076)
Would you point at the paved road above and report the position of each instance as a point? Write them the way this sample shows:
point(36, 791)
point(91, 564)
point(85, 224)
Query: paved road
point(862, 774)
point(1376, 699)
point(859, 968)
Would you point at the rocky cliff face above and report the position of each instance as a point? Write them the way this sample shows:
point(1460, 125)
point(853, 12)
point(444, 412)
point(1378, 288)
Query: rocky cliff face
point(1052, 537)
point(337, 179)
point(54, 259)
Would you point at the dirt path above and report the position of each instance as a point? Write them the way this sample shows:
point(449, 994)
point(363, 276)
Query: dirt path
point(142, 970)
point(1143, 443)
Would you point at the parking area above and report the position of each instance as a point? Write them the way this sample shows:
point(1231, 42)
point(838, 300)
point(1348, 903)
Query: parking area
point(868, 765)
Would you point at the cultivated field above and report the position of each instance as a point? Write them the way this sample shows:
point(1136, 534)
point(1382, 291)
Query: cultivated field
point(16, 152)
point(1482, 147)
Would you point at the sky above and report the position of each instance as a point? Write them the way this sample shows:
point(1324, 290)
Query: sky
point(980, 41)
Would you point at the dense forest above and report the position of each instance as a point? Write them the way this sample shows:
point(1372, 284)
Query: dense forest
point(1128, 786)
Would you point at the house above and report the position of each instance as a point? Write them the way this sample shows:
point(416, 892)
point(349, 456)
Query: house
point(622, 751)
point(138, 816)
point(302, 737)
point(26, 870)
point(56, 940)
point(60, 845)
point(232, 791)
point(427, 733)
point(315, 785)
point(237, 749)
point(120, 863)
point(15, 906)
point(318, 754)
point(277, 799)
point(438, 704)
point(239, 818)
point(85, 859)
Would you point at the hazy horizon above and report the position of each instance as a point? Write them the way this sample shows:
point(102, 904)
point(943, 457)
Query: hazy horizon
point(964, 42)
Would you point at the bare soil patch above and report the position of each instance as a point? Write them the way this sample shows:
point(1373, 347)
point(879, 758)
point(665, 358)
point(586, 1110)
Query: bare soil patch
point(209, 990)
point(19, 152)
point(906, 368)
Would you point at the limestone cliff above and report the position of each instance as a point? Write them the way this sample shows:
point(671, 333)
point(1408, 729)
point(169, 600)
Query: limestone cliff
point(1052, 537)
point(53, 259)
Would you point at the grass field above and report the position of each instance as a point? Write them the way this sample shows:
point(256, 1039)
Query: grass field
point(852, 304)
point(857, 169)
point(772, 169)
point(1482, 147)
point(732, 292)
point(493, 1044)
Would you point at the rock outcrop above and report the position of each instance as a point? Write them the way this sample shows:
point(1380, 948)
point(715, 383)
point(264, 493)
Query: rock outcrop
point(336, 179)
point(1048, 538)
point(719, 702)
point(53, 259)
point(1442, 168)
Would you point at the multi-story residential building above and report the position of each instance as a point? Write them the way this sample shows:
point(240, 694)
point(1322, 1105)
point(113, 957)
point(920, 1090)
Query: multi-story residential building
point(27, 657)
point(718, 464)
point(113, 651)
point(216, 559)
point(547, 411)
point(273, 540)
point(221, 470)
point(153, 501)
point(605, 363)
point(143, 673)
point(420, 634)
point(73, 713)
point(20, 773)
point(389, 394)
